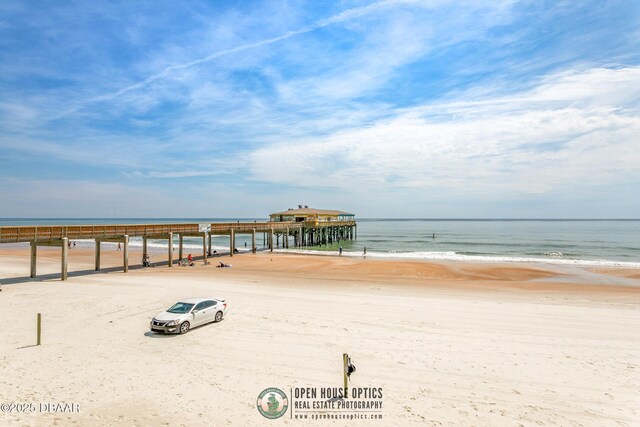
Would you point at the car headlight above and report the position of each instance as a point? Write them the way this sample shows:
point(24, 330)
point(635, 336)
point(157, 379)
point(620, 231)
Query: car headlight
point(172, 323)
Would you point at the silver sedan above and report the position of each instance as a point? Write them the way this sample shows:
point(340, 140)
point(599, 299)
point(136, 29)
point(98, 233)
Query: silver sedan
point(189, 313)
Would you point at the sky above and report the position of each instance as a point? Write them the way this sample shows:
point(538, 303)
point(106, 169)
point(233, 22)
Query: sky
point(408, 109)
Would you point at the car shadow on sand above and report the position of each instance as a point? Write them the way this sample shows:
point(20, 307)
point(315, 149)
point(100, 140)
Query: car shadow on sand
point(150, 334)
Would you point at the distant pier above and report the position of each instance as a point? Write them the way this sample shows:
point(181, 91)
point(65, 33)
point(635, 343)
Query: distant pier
point(311, 232)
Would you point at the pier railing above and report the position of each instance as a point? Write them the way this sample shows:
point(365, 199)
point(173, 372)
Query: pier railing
point(315, 224)
point(15, 234)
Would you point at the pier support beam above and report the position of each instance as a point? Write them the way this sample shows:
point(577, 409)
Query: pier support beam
point(65, 256)
point(170, 249)
point(232, 242)
point(34, 255)
point(180, 254)
point(286, 239)
point(253, 241)
point(124, 241)
point(61, 243)
point(125, 254)
point(271, 240)
point(204, 247)
point(145, 250)
point(209, 250)
point(98, 248)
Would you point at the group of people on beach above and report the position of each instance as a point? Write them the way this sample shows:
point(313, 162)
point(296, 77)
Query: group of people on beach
point(188, 262)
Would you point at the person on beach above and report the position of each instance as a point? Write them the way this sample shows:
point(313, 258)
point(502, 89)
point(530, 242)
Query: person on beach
point(365, 251)
point(340, 250)
point(119, 247)
point(145, 261)
point(190, 259)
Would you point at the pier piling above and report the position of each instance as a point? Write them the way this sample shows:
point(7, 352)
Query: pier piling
point(34, 255)
point(253, 241)
point(170, 249)
point(305, 233)
point(65, 255)
point(125, 254)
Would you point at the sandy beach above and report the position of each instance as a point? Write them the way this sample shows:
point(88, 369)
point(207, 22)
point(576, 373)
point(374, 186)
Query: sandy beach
point(448, 343)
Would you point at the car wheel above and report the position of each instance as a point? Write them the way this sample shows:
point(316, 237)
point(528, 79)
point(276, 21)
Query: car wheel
point(218, 316)
point(184, 327)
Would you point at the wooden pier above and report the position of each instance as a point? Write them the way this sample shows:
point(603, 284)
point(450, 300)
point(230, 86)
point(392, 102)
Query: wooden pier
point(304, 233)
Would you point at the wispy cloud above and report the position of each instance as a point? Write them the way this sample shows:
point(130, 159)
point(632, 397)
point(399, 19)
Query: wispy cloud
point(378, 101)
point(346, 15)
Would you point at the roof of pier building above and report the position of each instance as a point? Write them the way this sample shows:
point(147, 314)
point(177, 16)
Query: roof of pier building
point(311, 212)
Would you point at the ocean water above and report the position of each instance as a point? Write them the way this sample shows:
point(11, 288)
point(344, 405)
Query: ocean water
point(577, 242)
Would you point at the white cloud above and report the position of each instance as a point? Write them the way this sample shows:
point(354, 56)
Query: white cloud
point(574, 129)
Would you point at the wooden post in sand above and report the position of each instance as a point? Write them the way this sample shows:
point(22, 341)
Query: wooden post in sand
point(39, 328)
point(170, 249)
point(180, 248)
point(232, 242)
point(286, 238)
point(345, 364)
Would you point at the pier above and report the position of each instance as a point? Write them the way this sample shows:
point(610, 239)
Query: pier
point(275, 234)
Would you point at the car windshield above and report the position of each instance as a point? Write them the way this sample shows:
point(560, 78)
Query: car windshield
point(180, 308)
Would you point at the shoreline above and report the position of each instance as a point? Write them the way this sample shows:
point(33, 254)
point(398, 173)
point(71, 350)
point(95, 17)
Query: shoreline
point(417, 256)
point(428, 273)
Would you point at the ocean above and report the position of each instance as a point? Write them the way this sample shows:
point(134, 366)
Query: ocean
point(575, 242)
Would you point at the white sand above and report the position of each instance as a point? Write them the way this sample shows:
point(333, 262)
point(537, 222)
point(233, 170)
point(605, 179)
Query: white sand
point(443, 354)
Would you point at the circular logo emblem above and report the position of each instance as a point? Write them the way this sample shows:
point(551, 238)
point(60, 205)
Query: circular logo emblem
point(272, 403)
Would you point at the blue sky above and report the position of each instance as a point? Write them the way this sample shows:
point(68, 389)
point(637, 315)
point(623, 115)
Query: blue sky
point(386, 109)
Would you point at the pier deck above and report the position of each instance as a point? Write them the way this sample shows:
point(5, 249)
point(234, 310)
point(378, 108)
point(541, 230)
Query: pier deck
point(305, 233)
